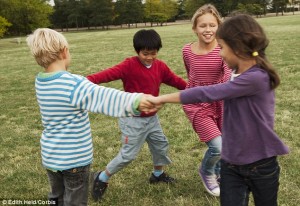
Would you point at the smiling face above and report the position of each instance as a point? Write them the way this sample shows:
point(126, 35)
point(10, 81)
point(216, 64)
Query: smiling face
point(147, 56)
point(206, 28)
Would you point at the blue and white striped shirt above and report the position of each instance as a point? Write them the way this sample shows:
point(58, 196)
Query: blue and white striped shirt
point(64, 100)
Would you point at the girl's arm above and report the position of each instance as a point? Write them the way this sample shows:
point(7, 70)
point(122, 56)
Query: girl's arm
point(167, 98)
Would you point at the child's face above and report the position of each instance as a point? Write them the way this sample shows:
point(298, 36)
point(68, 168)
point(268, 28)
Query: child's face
point(147, 56)
point(206, 28)
point(228, 55)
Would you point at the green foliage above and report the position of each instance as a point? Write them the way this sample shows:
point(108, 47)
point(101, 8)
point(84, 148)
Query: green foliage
point(250, 8)
point(160, 11)
point(25, 16)
point(101, 13)
point(129, 11)
point(59, 17)
point(191, 6)
point(4, 24)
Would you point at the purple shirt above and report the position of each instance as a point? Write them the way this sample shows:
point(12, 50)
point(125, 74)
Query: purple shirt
point(248, 127)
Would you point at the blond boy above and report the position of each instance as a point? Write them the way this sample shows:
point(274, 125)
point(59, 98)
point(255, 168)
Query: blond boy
point(64, 100)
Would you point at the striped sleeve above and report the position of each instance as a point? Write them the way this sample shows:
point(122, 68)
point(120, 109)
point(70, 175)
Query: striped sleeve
point(99, 99)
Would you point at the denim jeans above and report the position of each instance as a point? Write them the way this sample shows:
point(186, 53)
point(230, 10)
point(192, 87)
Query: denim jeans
point(261, 178)
point(69, 187)
point(211, 162)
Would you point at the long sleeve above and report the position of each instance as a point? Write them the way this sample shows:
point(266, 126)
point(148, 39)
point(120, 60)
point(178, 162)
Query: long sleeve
point(247, 84)
point(64, 100)
point(171, 79)
point(98, 99)
point(109, 74)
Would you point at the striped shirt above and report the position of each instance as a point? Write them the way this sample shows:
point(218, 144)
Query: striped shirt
point(203, 70)
point(64, 100)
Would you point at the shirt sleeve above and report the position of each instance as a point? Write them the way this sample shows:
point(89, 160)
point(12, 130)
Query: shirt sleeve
point(108, 101)
point(109, 74)
point(246, 84)
point(171, 79)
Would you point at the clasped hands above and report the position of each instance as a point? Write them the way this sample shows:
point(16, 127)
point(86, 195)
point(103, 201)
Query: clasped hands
point(149, 104)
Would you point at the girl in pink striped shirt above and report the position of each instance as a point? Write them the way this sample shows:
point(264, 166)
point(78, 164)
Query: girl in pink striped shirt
point(204, 66)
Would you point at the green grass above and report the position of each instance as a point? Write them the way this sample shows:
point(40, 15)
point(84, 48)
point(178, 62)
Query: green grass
point(22, 175)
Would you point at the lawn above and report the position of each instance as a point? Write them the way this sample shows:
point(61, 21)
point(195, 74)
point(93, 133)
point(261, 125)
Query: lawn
point(22, 176)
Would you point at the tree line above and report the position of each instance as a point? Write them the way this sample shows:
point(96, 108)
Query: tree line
point(19, 17)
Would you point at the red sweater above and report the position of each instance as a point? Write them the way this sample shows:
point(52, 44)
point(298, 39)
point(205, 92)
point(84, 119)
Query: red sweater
point(138, 78)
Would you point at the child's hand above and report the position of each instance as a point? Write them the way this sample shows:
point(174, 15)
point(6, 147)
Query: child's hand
point(146, 104)
point(155, 101)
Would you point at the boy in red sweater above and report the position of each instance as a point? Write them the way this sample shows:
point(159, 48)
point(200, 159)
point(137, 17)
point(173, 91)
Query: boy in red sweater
point(142, 73)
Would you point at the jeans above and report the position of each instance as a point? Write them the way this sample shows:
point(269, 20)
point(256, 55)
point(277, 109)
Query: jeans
point(69, 187)
point(211, 162)
point(261, 178)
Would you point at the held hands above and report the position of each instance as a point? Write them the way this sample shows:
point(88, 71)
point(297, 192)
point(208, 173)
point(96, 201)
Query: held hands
point(149, 104)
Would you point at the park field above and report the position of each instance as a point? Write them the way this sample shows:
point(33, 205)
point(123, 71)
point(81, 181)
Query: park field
point(22, 176)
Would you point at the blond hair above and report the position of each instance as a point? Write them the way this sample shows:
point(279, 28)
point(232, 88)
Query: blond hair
point(207, 8)
point(46, 45)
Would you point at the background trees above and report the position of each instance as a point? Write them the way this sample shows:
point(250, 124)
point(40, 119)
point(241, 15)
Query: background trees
point(4, 24)
point(25, 16)
point(21, 17)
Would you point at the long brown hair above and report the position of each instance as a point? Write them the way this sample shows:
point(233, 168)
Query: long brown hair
point(248, 40)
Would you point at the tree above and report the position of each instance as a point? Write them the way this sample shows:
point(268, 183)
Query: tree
point(129, 12)
point(101, 13)
point(4, 24)
point(134, 12)
point(25, 16)
point(169, 8)
point(59, 18)
point(160, 11)
point(120, 12)
point(181, 14)
point(191, 6)
point(279, 6)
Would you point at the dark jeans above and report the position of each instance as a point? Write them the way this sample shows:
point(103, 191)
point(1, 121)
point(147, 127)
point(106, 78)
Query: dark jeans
point(69, 187)
point(261, 178)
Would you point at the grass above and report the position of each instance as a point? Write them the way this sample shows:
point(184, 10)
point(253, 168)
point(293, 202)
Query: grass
point(23, 177)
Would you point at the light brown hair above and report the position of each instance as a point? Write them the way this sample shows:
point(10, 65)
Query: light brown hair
point(207, 8)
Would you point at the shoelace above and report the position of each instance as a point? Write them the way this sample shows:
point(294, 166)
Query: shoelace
point(211, 182)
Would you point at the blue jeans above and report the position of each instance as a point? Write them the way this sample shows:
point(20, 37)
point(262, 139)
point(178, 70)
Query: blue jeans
point(261, 178)
point(211, 162)
point(69, 187)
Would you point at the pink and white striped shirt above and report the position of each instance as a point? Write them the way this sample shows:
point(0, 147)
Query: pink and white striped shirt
point(203, 70)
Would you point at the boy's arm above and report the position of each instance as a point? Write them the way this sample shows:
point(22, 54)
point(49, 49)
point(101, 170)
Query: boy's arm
point(171, 79)
point(108, 75)
point(112, 102)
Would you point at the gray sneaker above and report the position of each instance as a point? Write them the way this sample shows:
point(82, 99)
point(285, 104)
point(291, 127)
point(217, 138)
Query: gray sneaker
point(210, 183)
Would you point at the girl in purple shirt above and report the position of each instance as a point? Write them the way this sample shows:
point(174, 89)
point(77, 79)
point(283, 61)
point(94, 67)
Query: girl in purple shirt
point(250, 145)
